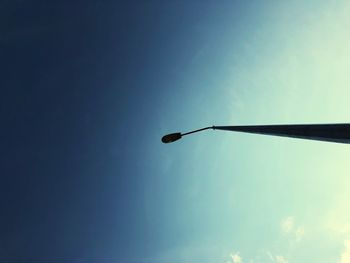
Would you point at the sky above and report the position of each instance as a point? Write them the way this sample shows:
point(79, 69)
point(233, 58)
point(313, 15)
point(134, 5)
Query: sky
point(88, 88)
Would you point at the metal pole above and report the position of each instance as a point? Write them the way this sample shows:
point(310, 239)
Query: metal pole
point(339, 133)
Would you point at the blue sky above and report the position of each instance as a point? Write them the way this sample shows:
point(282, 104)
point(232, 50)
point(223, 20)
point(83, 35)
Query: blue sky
point(88, 90)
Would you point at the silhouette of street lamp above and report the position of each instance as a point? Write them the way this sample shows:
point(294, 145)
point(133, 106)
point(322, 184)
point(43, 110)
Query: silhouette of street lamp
point(339, 132)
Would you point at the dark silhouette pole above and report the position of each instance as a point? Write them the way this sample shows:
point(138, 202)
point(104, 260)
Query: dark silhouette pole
point(339, 133)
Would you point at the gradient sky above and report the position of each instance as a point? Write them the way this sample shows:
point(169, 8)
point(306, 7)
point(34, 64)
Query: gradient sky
point(89, 87)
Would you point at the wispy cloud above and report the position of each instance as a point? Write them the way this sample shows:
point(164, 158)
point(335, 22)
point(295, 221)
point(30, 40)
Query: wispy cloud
point(276, 258)
point(290, 229)
point(299, 233)
point(236, 258)
point(345, 256)
point(287, 225)
point(280, 259)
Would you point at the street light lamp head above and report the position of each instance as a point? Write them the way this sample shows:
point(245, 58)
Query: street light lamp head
point(172, 137)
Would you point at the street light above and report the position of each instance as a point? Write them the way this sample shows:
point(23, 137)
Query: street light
point(338, 132)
